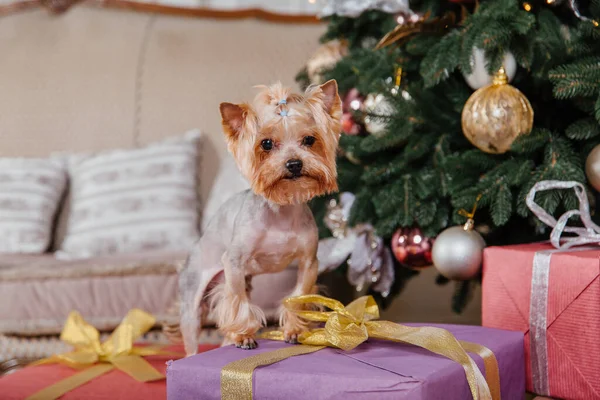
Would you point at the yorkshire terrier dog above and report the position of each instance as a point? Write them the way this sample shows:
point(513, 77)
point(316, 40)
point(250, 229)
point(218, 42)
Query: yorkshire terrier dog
point(285, 145)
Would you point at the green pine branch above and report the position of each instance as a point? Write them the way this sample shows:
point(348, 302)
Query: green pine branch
point(583, 129)
point(579, 79)
point(440, 63)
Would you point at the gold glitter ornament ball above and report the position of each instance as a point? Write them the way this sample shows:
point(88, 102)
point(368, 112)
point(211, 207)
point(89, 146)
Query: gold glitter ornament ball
point(495, 115)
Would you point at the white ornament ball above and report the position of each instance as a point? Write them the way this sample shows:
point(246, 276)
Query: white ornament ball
point(377, 104)
point(479, 76)
point(458, 253)
point(369, 42)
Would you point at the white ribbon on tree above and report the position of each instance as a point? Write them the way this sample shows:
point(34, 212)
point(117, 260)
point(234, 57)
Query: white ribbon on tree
point(353, 8)
point(590, 233)
point(369, 260)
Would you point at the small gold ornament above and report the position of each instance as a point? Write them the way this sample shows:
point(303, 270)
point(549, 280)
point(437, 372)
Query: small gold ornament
point(495, 115)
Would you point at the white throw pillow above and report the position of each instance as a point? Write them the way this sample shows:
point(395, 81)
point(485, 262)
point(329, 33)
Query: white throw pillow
point(133, 200)
point(30, 192)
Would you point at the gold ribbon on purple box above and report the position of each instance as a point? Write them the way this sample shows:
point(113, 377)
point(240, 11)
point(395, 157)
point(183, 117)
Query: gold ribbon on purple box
point(538, 310)
point(96, 359)
point(347, 327)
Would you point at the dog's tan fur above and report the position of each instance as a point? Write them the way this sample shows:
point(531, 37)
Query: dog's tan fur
point(317, 114)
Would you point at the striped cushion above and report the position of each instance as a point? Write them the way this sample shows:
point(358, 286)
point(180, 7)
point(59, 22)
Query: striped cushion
point(30, 192)
point(130, 200)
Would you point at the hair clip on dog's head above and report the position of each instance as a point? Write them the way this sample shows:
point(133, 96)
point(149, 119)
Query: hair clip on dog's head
point(282, 112)
point(287, 160)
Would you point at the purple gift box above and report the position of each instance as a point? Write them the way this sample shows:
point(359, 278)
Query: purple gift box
point(375, 370)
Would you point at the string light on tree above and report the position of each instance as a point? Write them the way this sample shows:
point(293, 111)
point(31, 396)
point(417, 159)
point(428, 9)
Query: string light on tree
point(407, 18)
point(572, 5)
point(458, 251)
point(495, 115)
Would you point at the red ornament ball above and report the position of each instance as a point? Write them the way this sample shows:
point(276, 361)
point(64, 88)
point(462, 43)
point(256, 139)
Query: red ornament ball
point(352, 101)
point(349, 125)
point(411, 248)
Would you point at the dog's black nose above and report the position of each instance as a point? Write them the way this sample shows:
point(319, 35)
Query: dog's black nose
point(294, 166)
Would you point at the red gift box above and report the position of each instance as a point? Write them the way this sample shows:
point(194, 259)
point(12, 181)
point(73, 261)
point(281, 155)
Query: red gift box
point(554, 298)
point(110, 386)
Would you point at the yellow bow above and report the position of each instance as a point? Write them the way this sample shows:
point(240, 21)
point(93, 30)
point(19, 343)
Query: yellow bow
point(98, 358)
point(347, 327)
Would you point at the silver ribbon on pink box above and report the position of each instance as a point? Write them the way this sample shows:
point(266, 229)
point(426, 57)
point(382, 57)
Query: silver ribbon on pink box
point(538, 311)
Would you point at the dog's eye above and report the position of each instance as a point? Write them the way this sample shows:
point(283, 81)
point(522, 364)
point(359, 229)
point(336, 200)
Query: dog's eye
point(308, 141)
point(266, 144)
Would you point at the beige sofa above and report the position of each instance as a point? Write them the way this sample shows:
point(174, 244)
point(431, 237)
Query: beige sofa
point(95, 79)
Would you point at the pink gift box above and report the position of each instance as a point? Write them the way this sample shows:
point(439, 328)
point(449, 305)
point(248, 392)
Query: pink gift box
point(110, 386)
point(554, 298)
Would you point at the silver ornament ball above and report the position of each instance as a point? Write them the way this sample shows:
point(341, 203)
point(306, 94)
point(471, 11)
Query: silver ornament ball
point(592, 167)
point(457, 253)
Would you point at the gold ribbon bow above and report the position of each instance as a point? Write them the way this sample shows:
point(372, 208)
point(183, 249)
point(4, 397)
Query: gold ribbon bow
point(97, 358)
point(347, 327)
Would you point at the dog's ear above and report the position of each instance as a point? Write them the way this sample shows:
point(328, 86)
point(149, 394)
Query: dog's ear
point(233, 116)
point(331, 99)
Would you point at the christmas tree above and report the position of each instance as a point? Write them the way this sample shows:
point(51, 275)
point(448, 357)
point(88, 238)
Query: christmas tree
point(415, 152)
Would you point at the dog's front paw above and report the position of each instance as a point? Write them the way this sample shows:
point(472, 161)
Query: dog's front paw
point(293, 327)
point(291, 336)
point(245, 342)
